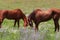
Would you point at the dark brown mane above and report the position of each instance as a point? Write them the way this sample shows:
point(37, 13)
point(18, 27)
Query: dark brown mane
point(33, 13)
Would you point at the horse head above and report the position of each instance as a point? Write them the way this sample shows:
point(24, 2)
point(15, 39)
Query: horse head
point(25, 21)
point(30, 22)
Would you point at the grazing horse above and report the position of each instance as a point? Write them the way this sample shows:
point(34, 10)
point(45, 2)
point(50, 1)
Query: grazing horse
point(15, 14)
point(38, 16)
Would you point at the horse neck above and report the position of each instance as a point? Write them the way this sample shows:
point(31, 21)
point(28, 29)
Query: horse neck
point(30, 16)
point(24, 18)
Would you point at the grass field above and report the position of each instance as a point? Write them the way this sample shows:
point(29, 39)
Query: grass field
point(27, 6)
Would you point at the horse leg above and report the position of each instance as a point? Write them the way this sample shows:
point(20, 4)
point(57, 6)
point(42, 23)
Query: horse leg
point(18, 23)
point(56, 24)
point(36, 27)
point(14, 23)
point(1, 22)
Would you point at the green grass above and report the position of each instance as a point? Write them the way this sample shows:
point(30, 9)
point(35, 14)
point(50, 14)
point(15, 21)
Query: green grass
point(27, 6)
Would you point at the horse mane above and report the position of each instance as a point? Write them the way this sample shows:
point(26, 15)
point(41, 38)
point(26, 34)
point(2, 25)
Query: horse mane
point(20, 11)
point(32, 15)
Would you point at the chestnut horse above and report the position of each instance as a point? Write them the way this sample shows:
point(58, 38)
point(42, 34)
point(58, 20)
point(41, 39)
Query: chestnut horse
point(15, 14)
point(38, 16)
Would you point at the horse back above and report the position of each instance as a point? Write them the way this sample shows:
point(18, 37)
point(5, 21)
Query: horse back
point(14, 14)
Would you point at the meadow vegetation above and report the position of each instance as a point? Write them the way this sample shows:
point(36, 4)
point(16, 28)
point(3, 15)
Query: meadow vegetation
point(27, 6)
